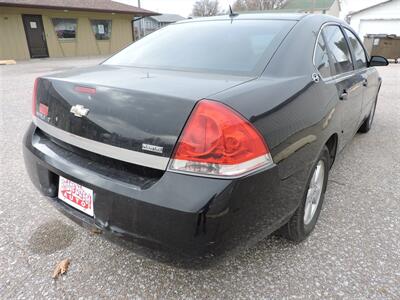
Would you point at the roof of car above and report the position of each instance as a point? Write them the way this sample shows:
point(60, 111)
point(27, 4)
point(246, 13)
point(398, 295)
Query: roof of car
point(252, 16)
point(318, 18)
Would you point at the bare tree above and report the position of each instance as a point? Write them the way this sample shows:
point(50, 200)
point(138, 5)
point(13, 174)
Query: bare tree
point(243, 5)
point(205, 8)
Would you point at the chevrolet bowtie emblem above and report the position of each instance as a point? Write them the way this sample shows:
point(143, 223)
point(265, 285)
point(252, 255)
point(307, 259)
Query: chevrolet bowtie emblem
point(79, 111)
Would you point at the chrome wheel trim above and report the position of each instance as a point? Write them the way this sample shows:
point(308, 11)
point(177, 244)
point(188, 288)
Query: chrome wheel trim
point(314, 192)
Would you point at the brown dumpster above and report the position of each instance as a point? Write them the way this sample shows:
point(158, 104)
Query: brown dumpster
point(384, 45)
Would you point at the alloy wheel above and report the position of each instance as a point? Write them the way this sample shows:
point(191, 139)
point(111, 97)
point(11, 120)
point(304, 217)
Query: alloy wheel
point(314, 192)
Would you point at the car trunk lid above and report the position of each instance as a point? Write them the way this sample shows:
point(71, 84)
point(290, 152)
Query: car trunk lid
point(123, 112)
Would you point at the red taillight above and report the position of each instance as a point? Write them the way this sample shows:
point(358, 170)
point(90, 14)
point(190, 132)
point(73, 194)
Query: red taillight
point(34, 97)
point(44, 109)
point(218, 141)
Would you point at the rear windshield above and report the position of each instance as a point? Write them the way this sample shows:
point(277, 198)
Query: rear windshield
point(241, 47)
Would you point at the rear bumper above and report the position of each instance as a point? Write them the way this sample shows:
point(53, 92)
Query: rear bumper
point(190, 214)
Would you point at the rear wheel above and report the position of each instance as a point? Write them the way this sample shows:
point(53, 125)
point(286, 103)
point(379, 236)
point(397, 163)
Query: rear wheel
point(304, 219)
point(366, 126)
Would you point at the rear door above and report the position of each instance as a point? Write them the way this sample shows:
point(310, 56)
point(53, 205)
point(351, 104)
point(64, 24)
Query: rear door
point(348, 81)
point(35, 36)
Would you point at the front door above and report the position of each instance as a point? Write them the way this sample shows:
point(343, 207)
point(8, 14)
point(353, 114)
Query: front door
point(35, 36)
point(370, 78)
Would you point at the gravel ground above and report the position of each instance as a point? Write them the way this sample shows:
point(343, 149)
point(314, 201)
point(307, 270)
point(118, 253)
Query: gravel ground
point(353, 253)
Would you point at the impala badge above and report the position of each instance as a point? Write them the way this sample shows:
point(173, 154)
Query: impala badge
point(79, 111)
point(152, 148)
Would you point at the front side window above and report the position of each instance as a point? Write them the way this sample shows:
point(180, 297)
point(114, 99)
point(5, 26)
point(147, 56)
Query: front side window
point(101, 29)
point(340, 52)
point(240, 47)
point(358, 50)
point(321, 58)
point(65, 28)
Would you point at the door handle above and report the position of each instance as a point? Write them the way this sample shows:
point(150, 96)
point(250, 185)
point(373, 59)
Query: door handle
point(365, 82)
point(344, 95)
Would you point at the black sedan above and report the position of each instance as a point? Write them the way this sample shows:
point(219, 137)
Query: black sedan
point(205, 134)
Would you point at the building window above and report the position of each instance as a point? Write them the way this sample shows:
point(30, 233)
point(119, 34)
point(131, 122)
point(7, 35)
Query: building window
point(65, 28)
point(101, 29)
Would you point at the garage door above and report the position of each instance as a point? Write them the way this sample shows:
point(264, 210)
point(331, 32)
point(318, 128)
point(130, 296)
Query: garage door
point(379, 26)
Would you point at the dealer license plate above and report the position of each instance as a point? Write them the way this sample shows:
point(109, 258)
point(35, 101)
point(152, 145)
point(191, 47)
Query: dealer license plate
point(76, 195)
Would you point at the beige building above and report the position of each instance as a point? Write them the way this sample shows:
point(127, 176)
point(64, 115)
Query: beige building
point(64, 28)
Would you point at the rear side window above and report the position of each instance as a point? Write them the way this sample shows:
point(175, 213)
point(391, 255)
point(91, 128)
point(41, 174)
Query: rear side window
point(321, 58)
point(358, 50)
point(241, 47)
point(340, 52)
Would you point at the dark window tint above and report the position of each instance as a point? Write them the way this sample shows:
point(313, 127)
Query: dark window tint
point(234, 47)
point(65, 28)
point(358, 50)
point(321, 58)
point(340, 53)
point(101, 29)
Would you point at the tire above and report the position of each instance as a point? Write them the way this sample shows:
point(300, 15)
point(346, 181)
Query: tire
point(367, 125)
point(302, 223)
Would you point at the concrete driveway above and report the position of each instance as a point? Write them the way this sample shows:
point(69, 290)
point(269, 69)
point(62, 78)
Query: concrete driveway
point(354, 252)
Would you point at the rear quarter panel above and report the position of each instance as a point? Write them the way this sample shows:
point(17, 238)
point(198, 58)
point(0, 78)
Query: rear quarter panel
point(295, 115)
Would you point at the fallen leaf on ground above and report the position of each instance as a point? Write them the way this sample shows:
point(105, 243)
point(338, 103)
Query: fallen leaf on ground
point(97, 231)
point(61, 268)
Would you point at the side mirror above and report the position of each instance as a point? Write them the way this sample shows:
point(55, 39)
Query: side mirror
point(378, 61)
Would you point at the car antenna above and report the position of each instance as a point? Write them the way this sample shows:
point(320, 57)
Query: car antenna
point(232, 14)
